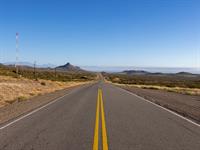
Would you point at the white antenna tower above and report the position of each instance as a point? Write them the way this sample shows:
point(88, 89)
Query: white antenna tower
point(17, 52)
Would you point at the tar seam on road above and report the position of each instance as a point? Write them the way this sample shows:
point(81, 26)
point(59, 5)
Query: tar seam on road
point(96, 130)
point(34, 111)
point(172, 112)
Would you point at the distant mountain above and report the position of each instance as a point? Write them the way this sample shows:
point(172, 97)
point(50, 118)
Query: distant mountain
point(135, 72)
point(69, 67)
point(184, 73)
point(158, 70)
point(187, 74)
point(142, 72)
point(28, 64)
point(19, 63)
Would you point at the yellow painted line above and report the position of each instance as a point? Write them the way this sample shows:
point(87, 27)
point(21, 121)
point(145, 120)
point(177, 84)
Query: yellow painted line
point(103, 121)
point(100, 107)
point(96, 130)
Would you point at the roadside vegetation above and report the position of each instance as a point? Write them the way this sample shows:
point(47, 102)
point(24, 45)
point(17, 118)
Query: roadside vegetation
point(185, 84)
point(46, 74)
point(20, 89)
point(28, 83)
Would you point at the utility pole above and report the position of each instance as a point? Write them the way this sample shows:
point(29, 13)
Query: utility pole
point(1, 56)
point(55, 72)
point(34, 69)
point(17, 51)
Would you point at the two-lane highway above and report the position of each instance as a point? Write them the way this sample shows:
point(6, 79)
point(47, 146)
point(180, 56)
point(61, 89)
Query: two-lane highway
point(100, 108)
point(100, 116)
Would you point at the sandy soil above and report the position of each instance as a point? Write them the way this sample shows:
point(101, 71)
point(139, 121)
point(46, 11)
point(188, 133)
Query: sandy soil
point(21, 89)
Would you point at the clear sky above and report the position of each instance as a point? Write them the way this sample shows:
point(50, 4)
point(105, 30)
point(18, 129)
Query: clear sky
point(156, 33)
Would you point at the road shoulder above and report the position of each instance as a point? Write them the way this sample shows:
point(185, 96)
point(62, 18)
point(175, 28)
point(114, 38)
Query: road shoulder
point(17, 109)
point(184, 105)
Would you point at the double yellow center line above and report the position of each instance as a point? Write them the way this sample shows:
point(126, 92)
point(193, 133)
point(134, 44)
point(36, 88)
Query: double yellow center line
point(100, 107)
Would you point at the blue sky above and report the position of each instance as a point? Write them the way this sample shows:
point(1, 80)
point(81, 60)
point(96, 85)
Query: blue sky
point(146, 33)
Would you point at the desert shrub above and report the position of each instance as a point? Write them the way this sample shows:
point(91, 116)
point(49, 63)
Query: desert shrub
point(43, 83)
point(11, 101)
point(158, 80)
point(21, 98)
point(46, 74)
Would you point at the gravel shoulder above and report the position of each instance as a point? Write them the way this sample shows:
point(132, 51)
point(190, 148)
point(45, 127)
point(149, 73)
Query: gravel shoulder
point(17, 109)
point(186, 105)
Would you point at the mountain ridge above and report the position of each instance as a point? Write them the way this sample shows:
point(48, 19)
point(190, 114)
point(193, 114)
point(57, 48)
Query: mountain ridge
point(69, 67)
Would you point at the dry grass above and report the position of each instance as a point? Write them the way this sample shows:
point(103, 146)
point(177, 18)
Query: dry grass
point(167, 80)
point(20, 89)
point(188, 91)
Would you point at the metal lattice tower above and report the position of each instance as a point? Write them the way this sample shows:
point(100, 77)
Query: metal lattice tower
point(17, 52)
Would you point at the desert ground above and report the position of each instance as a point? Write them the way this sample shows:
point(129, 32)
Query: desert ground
point(20, 89)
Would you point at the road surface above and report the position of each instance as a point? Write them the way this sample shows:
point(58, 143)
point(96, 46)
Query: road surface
point(96, 117)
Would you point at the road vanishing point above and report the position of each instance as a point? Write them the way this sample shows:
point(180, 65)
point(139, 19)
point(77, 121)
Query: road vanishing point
point(99, 116)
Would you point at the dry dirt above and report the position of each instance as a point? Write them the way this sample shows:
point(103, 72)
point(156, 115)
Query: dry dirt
point(21, 89)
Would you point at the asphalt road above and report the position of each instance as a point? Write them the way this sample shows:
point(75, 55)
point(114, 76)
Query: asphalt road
point(99, 116)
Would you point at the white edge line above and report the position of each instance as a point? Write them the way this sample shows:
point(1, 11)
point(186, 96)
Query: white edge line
point(32, 112)
point(172, 112)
